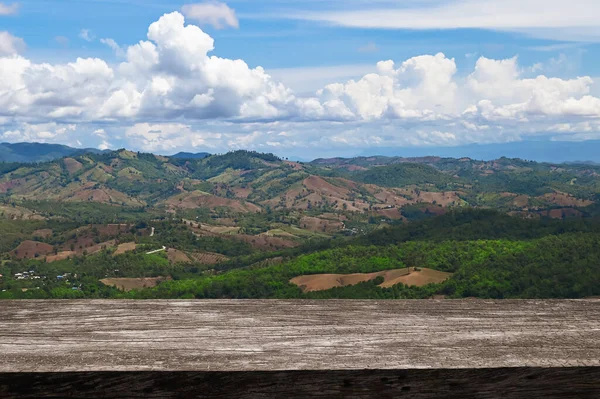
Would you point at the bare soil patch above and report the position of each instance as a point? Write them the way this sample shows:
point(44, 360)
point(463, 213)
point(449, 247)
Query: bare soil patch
point(4, 187)
point(61, 256)
point(125, 247)
point(104, 195)
point(240, 192)
point(72, 165)
point(561, 213)
point(225, 230)
point(31, 250)
point(391, 213)
point(563, 199)
point(42, 233)
point(113, 229)
point(208, 258)
point(323, 187)
point(440, 198)
point(320, 225)
point(177, 256)
point(17, 213)
point(266, 242)
point(199, 199)
point(521, 201)
point(419, 278)
point(128, 284)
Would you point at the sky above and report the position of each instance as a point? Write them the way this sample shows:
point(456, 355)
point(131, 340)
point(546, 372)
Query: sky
point(299, 78)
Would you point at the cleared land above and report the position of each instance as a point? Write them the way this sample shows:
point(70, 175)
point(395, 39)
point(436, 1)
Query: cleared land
point(128, 284)
point(209, 258)
point(125, 247)
point(419, 278)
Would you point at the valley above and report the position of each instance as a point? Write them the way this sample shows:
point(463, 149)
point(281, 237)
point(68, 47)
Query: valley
point(243, 225)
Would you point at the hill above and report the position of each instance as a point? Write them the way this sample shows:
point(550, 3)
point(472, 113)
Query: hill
point(190, 155)
point(243, 224)
point(38, 152)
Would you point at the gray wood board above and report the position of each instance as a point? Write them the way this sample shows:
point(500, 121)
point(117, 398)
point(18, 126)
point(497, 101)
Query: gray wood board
point(265, 335)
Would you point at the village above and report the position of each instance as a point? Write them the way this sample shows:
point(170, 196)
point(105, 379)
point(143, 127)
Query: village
point(30, 276)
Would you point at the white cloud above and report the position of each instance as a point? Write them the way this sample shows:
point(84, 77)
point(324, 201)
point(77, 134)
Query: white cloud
point(214, 13)
point(171, 75)
point(170, 93)
point(9, 9)
point(86, 35)
point(114, 46)
point(43, 133)
point(416, 89)
point(10, 45)
point(573, 20)
point(170, 136)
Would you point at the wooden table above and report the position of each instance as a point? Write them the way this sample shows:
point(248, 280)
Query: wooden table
point(263, 348)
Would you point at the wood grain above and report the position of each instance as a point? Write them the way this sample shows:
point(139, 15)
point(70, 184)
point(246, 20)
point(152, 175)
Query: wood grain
point(264, 336)
point(505, 383)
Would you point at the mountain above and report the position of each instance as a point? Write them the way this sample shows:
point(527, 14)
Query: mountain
point(244, 224)
point(190, 155)
point(247, 182)
point(38, 152)
point(539, 151)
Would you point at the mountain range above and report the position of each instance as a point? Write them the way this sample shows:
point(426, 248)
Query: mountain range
point(39, 152)
point(245, 224)
point(251, 182)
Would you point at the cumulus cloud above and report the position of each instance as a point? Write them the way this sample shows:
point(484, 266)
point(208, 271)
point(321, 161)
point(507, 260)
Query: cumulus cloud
point(417, 88)
point(214, 13)
point(8, 9)
point(169, 75)
point(104, 144)
point(43, 133)
point(171, 93)
point(10, 45)
point(171, 136)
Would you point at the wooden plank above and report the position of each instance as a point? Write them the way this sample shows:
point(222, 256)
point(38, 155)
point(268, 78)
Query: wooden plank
point(505, 383)
point(263, 336)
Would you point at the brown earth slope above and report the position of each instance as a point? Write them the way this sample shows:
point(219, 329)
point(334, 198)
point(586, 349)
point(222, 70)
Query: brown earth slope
point(419, 278)
point(128, 284)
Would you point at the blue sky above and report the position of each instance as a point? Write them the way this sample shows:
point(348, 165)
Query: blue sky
point(464, 72)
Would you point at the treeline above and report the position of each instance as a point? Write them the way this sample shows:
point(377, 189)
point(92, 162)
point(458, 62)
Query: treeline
point(490, 255)
point(566, 266)
point(476, 224)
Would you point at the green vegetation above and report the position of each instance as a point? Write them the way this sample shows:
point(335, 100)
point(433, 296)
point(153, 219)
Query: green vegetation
point(491, 255)
point(404, 174)
point(242, 224)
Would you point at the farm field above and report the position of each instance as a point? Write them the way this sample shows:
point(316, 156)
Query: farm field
point(417, 278)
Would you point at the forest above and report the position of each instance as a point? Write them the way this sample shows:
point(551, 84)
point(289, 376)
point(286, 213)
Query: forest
point(490, 255)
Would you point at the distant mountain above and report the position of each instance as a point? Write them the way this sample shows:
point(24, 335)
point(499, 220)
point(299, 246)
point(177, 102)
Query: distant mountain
point(246, 182)
point(539, 151)
point(191, 155)
point(39, 152)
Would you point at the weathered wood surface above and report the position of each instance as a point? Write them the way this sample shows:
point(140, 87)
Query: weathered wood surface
point(504, 383)
point(260, 335)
